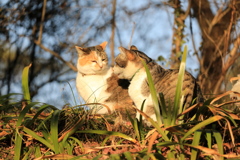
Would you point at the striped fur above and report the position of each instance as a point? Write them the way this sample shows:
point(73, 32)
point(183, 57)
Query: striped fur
point(128, 64)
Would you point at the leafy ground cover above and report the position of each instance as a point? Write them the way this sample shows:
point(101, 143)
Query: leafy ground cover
point(33, 130)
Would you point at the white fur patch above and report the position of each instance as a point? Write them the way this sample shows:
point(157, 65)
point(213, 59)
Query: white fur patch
point(126, 73)
point(92, 88)
point(136, 94)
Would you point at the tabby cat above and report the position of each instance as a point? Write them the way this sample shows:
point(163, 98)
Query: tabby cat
point(96, 82)
point(128, 65)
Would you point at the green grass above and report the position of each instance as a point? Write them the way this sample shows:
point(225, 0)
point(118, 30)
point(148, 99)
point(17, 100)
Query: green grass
point(37, 130)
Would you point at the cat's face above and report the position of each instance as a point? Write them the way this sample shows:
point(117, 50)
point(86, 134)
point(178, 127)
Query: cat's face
point(128, 62)
point(92, 60)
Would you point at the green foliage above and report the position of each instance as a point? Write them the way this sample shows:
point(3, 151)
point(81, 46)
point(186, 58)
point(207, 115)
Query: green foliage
point(172, 118)
point(25, 87)
point(43, 131)
point(178, 104)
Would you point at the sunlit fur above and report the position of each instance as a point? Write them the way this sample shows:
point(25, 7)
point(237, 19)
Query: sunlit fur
point(129, 64)
point(125, 66)
point(96, 82)
point(92, 60)
point(93, 72)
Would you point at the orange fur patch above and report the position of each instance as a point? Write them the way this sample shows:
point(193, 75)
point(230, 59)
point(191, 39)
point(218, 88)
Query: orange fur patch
point(87, 59)
point(103, 45)
point(130, 56)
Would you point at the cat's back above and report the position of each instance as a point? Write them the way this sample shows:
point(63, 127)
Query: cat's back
point(165, 81)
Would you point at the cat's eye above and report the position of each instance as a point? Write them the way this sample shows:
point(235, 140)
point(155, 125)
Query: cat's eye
point(103, 59)
point(94, 61)
point(119, 65)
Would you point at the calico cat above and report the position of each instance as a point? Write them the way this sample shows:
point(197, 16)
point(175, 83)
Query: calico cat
point(96, 82)
point(128, 64)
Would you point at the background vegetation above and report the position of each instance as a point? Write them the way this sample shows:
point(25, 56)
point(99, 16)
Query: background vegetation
point(43, 33)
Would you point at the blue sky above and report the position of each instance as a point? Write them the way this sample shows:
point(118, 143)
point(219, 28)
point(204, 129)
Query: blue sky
point(152, 35)
point(155, 24)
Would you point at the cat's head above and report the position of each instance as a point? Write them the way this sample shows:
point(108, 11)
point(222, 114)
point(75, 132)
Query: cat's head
point(128, 62)
point(92, 60)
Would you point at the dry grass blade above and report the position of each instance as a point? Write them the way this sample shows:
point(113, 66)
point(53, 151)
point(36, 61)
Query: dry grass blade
point(229, 102)
point(152, 140)
point(189, 109)
point(56, 156)
point(176, 129)
point(209, 151)
point(220, 96)
point(109, 110)
point(234, 79)
point(70, 131)
point(223, 112)
point(150, 133)
point(230, 131)
point(111, 133)
point(88, 150)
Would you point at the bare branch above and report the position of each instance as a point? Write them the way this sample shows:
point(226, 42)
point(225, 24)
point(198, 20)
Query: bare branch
point(134, 26)
point(233, 55)
point(42, 21)
point(187, 11)
point(57, 56)
point(113, 24)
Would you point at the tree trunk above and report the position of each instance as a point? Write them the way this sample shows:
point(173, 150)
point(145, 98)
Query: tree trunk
point(215, 43)
point(114, 3)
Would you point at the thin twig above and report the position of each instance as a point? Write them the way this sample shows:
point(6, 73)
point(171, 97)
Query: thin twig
point(114, 2)
point(134, 26)
point(42, 21)
point(57, 56)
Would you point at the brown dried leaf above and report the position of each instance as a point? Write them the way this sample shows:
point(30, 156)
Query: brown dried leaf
point(89, 150)
point(220, 96)
point(214, 152)
point(4, 133)
point(57, 156)
point(152, 140)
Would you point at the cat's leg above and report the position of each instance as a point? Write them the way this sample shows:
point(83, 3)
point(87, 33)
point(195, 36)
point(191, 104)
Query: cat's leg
point(148, 108)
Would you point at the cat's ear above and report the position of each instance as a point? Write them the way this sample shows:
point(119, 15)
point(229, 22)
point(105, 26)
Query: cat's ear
point(80, 50)
point(103, 45)
point(133, 47)
point(130, 56)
